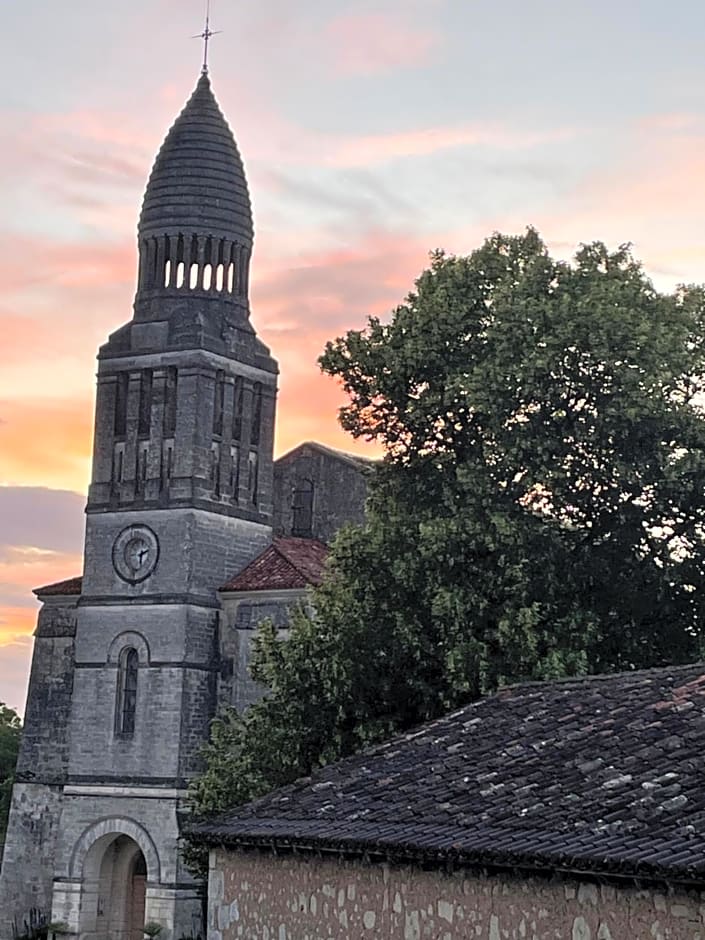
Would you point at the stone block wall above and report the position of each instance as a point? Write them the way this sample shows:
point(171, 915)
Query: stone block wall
point(339, 490)
point(27, 868)
point(303, 898)
point(28, 859)
point(175, 692)
point(44, 748)
point(198, 552)
point(242, 614)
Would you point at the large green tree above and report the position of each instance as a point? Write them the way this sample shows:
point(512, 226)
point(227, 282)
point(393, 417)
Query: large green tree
point(540, 510)
point(10, 730)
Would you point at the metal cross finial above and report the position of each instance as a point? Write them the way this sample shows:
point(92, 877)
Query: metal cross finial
point(206, 37)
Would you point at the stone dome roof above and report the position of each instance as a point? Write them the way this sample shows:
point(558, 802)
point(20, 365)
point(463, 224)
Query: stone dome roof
point(198, 183)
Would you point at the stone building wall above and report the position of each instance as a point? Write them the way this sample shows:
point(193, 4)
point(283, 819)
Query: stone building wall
point(304, 898)
point(339, 484)
point(242, 614)
point(35, 810)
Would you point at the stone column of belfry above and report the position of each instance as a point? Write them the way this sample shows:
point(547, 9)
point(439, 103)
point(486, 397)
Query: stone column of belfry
point(128, 488)
point(103, 463)
point(96, 793)
point(224, 470)
point(155, 461)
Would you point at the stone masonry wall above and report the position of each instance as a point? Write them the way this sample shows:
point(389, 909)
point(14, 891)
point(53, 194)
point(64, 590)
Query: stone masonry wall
point(44, 748)
point(27, 871)
point(241, 618)
point(340, 490)
point(304, 898)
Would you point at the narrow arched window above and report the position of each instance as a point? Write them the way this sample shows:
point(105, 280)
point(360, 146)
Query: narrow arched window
point(127, 692)
point(302, 505)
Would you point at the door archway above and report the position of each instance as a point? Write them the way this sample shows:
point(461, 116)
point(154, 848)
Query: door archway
point(114, 890)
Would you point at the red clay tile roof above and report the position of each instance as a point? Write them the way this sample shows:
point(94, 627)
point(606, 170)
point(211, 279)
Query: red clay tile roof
point(67, 588)
point(286, 563)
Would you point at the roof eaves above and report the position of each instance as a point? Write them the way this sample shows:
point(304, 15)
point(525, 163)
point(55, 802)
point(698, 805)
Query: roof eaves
point(486, 857)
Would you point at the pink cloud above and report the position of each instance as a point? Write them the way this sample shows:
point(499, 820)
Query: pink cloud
point(380, 148)
point(653, 197)
point(369, 43)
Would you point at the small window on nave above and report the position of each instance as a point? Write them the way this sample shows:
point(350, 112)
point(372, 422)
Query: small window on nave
point(302, 507)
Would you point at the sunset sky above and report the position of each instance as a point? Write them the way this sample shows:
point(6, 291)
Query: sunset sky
point(372, 132)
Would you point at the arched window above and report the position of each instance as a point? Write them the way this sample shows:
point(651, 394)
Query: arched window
point(128, 670)
point(302, 523)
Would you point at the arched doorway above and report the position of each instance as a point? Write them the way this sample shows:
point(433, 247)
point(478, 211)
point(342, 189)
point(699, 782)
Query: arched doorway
point(114, 889)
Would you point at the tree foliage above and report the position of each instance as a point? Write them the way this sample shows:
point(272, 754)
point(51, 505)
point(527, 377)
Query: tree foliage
point(540, 510)
point(10, 730)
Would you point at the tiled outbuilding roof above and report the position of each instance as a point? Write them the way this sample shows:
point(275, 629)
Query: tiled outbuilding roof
point(603, 774)
point(286, 563)
point(69, 587)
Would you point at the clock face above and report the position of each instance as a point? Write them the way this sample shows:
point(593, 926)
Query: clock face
point(135, 553)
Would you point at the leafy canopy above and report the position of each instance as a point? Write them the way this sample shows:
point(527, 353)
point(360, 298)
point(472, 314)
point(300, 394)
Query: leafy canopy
point(540, 510)
point(10, 730)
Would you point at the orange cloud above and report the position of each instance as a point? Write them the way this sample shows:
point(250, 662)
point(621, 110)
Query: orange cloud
point(23, 568)
point(369, 43)
point(309, 404)
point(44, 442)
point(16, 629)
point(16, 622)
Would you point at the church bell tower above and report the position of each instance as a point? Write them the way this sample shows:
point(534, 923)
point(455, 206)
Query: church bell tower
point(180, 500)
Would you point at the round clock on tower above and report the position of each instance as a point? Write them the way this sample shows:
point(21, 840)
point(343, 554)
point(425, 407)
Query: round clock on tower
point(135, 553)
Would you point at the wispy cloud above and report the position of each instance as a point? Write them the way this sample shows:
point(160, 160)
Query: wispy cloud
point(368, 150)
point(372, 43)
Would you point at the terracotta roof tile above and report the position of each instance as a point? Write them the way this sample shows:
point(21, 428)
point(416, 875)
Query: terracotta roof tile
point(286, 563)
point(69, 587)
point(600, 774)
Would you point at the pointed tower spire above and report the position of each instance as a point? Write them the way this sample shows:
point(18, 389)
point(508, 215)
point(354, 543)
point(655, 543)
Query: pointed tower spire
point(206, 36)
point(195, 229)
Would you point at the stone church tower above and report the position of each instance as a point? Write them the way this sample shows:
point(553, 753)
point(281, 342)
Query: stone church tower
point(127, 662)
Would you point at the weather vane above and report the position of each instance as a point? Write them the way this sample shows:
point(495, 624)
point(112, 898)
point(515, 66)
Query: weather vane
point(206, 36)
